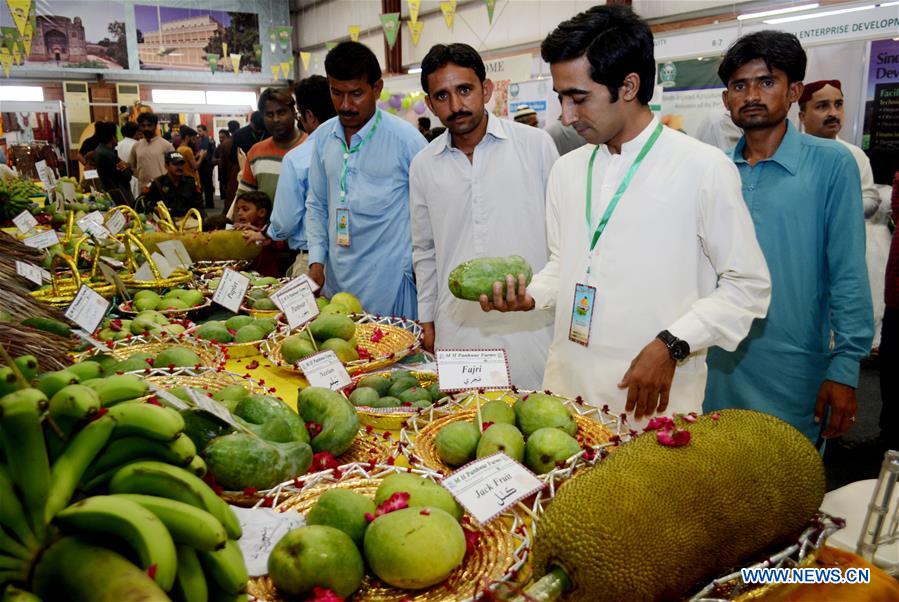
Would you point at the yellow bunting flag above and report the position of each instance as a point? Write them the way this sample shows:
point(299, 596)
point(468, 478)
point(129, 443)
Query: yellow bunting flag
point(27, 37)
point(20, 10)
point(16, 53)
point(285, 69)
point(306, 57)
point(330, 45)
point(6, 60)
point(449, 13)
point(414, 8)
point(415, 31)
point(354, 32)
point(235, 62)
point(276, 71)
point(491, 4)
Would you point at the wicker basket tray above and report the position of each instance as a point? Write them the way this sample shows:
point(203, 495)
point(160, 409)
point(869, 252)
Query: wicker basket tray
point(210, 356)
point(502, 550)
point(398, 338)
point(391, 419)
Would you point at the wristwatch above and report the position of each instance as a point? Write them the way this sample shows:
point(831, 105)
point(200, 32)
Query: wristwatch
point(677, 349)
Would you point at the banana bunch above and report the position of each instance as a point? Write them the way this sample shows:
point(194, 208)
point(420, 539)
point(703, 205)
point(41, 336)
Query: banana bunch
point(101, 496)
point(15, 197)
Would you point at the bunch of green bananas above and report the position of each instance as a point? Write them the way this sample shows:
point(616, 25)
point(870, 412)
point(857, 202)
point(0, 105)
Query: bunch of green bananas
point(101, 498)
point(15, 197)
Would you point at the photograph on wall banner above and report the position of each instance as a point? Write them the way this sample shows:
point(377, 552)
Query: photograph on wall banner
point(691, 92)
point(183, 39)
point(881, 130)
point(72, 35)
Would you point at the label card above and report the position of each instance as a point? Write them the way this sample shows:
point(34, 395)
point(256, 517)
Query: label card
point(91, 174)
point(32, 272)
point(87, 338)
point(169, 399)
point(231, 290)
point(90, 225)
point(110, 261)
point(95, 216)
point(116, 222)
point(490, 486)
point(44, 174)
point(42, 240)
point(262, 529)
point(87, 309)
point(162, 264)
point(112, 277)
point(297, 302)
point(68, 191)
point(207, 404)
point(144, 272)
point(324, 370)
point(462, 369)
point(25, 222)
point(175, 253)
point(313, 285)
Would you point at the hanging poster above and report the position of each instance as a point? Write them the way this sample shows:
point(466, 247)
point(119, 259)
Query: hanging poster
point(881, 129)
point(691, 92)
point(415, 31)
point(70, 34)
point(283, 35)
point(180, 38)
point(391, 24)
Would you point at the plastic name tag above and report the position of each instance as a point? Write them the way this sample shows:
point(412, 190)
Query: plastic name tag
point(343, 227)
point(490, 486)
point(462, 369)
point(582, 314)
point(325, 370)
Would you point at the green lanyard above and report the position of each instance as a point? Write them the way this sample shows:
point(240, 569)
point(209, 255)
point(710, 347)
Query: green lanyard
point(618, 193)
point(347, 151)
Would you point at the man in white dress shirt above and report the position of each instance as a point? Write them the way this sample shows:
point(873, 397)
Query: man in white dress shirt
point(478, 190)
point(821, 114)
point(653, 255)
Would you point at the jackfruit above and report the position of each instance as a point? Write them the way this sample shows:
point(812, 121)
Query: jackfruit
point(219, 245)
point(652, 522)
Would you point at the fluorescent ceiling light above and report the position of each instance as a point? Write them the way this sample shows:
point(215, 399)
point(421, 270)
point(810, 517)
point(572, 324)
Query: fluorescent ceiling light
point(825, 13)
point(224, 97)
point(30, 93)
point(414, 70)
point(181, 97)
point(777, 11)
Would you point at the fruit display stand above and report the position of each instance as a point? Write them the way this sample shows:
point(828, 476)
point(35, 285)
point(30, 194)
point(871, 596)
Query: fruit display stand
point(177, 277)
point(499, 554)
point(62, 291)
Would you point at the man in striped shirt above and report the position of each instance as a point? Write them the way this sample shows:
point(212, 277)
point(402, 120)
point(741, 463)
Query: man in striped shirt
point(263, 166)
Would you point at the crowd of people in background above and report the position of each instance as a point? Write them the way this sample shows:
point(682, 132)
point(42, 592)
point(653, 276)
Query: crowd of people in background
point(724, 279)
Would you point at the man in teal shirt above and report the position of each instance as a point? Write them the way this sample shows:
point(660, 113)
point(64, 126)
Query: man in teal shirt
point(801, 363)
point(357, 207)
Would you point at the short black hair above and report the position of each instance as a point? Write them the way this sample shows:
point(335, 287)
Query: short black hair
point(129, 128)
point(279, 95)
point(779, 50)
point(225, 132)
point(424, 122)
point(257, 120)
point(104, 131)
point(202, 127)
point(352, 60)
point(258, 198)
point(187, 131)
point(150, 118)
point(314, 94)
point(457, 54)
point(233, 126)
point(616, 42)
point(215, 222)
point(123, 109)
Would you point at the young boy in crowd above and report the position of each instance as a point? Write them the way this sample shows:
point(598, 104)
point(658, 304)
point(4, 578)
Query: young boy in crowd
point(252, 212)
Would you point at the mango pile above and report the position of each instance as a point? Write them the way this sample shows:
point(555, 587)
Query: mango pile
point(148, 322)
point(409, 536)
point(236, 329)
point(174, 299)
point(394, 389)
point(537, 430)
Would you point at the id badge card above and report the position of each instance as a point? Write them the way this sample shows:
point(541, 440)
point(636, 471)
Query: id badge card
point(343, 227)
point(582, 314)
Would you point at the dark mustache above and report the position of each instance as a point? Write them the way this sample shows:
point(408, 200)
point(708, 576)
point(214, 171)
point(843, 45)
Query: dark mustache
point(830, 120)
point(455, 116)
point(754, 106)
point(348, 113)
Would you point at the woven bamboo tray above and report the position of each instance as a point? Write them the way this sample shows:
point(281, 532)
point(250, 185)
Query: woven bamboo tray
point(398, 338)
point(598, 433)
point(501, 552)
point(391, 419)
point(210, 356)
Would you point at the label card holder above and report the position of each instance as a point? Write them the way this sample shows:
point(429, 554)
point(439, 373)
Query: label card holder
point(297, 302)
point(489, 486)
point(464, 369)
point(582, 314)
point(231, 290)
point(324, 370)
point(87, 309)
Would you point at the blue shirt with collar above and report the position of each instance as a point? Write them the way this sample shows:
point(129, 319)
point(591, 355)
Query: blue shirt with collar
point(806, 205)
point(377, 266)
point(288, 220)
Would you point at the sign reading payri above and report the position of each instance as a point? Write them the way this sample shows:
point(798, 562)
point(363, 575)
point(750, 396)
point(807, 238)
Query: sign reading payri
point(231, 290)
point(461, 369)
point(325, 370)
point(490, 486)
